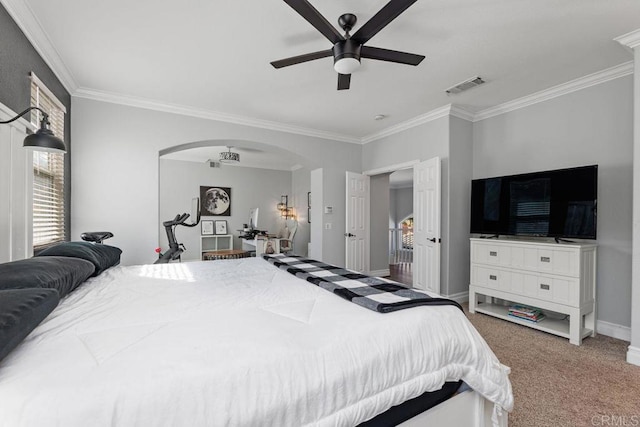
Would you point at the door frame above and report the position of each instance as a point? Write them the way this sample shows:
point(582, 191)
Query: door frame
point(396, 167)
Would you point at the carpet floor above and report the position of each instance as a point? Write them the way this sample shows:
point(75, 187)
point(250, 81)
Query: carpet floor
point(559, 384)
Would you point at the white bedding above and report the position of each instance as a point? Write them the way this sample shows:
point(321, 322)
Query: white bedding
point(234, 342)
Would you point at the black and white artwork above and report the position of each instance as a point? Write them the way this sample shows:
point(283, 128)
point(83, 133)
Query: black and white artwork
point(221, 226)
point(215, 201)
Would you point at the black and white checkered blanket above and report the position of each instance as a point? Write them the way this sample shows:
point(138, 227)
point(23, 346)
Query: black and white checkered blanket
point(374, 293)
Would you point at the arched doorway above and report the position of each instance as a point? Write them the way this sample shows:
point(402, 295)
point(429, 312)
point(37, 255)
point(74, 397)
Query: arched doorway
point(263, 174)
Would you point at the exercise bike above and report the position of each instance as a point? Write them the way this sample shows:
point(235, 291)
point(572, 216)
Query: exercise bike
point(176, 249)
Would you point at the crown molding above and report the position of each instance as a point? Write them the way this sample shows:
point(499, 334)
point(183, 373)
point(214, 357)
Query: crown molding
point(461, 113)
point(603, 76)
point(116, 98)
point(630, 40)
point(408, 124)
point(26, 20)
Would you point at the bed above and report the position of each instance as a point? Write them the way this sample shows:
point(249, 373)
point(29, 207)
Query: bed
point(241, 343)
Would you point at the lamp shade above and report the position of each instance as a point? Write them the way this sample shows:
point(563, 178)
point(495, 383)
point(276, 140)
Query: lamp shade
point(44, 140)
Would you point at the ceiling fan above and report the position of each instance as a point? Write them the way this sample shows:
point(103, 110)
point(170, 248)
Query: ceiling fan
point(348, 49)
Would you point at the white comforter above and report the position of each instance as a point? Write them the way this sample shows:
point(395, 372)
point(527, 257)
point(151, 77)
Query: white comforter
point(235, 342)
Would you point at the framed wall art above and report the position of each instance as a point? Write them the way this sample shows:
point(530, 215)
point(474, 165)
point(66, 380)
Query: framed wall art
point(206, 227)
point(221, 226)
point(215, 201)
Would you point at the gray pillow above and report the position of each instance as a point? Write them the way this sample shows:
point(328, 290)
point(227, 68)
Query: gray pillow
point(101, 256)
point(60, 273)
point(21, 310)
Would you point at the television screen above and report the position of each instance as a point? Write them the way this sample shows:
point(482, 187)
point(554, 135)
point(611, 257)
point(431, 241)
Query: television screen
point(558, 203)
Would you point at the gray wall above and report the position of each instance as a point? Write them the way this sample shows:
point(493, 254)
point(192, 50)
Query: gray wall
point(116, 170)
point(460, 168)
point(180, 181)
point(422, 142)
point(18, 59)
point(379, 223)
point(590, 126)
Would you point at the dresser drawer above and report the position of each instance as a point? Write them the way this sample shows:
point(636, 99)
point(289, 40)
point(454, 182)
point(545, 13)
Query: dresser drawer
point(554, 289)
point(564, 261)
point(491, 278)
point(493, 254)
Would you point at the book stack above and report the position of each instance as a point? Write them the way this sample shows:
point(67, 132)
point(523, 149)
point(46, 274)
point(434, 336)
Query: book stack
point(525, 312)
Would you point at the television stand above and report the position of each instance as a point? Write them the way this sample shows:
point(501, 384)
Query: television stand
point(560, 279)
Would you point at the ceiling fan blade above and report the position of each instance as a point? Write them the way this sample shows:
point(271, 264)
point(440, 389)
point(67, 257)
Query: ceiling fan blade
point(381, 19)
point(390, 55)
point(302, 58)
point(308, 12)
point(344, 80)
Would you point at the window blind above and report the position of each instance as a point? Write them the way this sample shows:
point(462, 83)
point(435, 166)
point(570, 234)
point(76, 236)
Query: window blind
point(48, 172)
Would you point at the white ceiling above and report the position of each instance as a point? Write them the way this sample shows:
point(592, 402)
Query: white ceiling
point(214, 55)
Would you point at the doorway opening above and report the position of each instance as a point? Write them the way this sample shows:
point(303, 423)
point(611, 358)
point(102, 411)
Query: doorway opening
point(401, 226)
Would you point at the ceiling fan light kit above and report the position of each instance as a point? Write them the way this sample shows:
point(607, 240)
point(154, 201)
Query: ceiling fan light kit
point(348, 50)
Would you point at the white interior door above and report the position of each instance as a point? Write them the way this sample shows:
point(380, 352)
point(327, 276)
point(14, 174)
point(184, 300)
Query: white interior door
point(426, 225)
point(357, 223)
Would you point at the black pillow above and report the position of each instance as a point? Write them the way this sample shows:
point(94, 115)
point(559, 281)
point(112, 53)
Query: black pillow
point(60, 273)
point(21, 310)
point(101, 256)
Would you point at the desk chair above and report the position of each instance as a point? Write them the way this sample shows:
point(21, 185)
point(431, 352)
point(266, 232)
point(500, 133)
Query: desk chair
point(286, 234)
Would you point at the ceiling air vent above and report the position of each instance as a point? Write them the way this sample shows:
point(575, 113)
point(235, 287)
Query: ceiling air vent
point(467, 84)
point(213, 164)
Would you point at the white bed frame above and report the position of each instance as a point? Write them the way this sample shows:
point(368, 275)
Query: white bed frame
point(467, 409)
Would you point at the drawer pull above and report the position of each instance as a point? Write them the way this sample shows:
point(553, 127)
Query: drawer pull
point(545, 259)
point(493, 277)
point(493, 253)
point(543, 286)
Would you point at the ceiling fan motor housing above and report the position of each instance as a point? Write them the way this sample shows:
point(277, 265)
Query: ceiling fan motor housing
point(346, 49)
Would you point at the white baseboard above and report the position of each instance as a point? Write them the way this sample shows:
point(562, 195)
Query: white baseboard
point(380, 273)
point(613, 330)
point(633, 355)
point(459, 297)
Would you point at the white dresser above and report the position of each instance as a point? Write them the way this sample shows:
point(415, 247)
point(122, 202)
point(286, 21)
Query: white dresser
point(558, 277)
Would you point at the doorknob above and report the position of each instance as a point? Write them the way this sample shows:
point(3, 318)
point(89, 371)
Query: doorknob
point(433, 240)
point(349, 235)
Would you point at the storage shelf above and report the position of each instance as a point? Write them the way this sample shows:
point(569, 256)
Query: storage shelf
point(215, 242)
point(549, 325)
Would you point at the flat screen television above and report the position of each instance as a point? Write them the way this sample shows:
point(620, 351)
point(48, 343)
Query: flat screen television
point(558, 203)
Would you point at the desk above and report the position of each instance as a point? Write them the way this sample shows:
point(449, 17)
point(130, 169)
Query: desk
point(259, 244)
